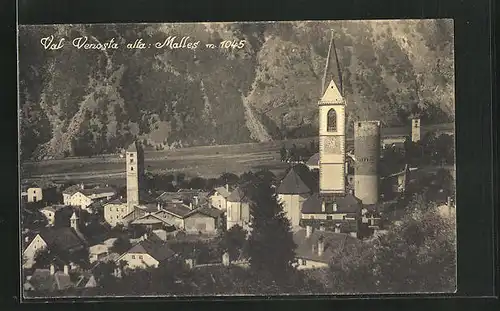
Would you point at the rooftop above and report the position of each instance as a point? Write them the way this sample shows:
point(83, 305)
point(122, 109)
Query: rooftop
point(225, 193)
point(42, 280)
point(156, 249)
point(208, 211)
point(293, 184)
point(345, 204)
point(62, 238)
point(237, 196)
point(334, 244)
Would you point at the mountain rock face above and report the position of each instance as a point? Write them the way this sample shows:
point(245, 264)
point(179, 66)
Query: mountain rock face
point(88, 101)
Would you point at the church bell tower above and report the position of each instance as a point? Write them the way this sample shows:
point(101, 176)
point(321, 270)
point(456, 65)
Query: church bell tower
point(332, 142)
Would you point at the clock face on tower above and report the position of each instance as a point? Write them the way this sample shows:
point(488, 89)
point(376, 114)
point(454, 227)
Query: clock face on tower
point(331, 144)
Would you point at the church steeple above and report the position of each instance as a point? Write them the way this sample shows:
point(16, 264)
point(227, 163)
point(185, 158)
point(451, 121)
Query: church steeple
point(332, 95)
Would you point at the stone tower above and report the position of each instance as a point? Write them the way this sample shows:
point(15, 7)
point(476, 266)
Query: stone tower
point(367, 154)
point(134, 165)
point(415, 130)
point(332, 142)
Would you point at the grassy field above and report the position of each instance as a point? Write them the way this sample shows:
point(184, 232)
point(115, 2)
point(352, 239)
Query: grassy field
point(204, 161)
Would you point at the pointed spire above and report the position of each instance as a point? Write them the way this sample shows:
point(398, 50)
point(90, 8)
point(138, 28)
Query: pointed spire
point(332, 95)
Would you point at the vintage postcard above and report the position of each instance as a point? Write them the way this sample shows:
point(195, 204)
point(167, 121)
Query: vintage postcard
point(236, 159)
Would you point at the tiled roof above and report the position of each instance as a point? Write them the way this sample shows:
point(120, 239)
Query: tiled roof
point(313, 160)
point(293, 184)
point(132, 147)
point(237, 196)
point(177, 209)
point(72, 189)
point(62, 238)
point(42, 280)
point(345, 204)
point(150, 219)
point(208, 211)
point(334, 244)
point(223, 192)
point(156, 249)
point(97, 191)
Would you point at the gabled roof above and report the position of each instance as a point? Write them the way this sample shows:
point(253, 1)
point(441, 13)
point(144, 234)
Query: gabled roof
point(345, 204)
point(42, 280)
point(225, 193)
point(334, 245)
point(132, 147)
point(62, 238)
point(332, 95)
point(97, 191)
point(55, 208)
point(177, 209)
point(156, 249)
point(72, 189)
point(208, 211)
point(313, 160)
point(237, 196)
point(293, 184)
point(149, 219)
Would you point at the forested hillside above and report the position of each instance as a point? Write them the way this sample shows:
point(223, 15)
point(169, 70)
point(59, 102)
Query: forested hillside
point(80, 102)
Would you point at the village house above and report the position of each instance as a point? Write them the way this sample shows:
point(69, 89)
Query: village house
point(318, 248)
point(65, 239)
point(146, 253)
point(84, 198)
point(50, 280)
point(115, 210)
point(292, 192)
point(50, 212)
point(34, 194)
point(238, 209)
point(341, 215)
point(218, 197)
point(204, 219)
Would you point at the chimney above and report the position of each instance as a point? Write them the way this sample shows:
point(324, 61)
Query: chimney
point(191, 205)
point(308, 231)
point(227, 187)
point(321, 246)
point(145, 236)
point(27, 239)
point(66, 270)
point(52, 269)
point(82, 186)
point(158, 206)
point(196, 201)
point(335, 206)
point(323, 206)
point(225, 259)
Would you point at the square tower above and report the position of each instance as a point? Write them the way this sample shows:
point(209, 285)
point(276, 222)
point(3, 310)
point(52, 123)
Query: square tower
point(332, 142)
point(415, 130)
point(134, 173)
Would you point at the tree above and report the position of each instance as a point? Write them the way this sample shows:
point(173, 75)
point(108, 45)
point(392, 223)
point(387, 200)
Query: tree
point(228, 178)
point(283, 153)
point(121, 245)
point(271, 248)
point(233, 241)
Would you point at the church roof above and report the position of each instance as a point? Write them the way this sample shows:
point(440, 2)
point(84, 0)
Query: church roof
point(132, 147)
point(237, 196)
point(345, 204)
point(313, 160)
point(293, 184)
point(332, 94)
point(62, 238)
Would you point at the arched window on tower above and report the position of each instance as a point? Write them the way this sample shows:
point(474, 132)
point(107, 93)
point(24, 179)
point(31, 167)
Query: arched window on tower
point(331, 122)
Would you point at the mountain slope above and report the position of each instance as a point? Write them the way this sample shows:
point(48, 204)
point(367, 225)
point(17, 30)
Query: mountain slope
point(79, 102)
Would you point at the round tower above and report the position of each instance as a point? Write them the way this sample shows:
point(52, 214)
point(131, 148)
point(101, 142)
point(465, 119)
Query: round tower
point(367, 155)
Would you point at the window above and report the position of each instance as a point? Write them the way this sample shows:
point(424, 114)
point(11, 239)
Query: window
point(131, 168)
point(131, 155)
point(304, 262)
point(140, 257)
point(331, 122)
point(131, 161)
point(133, 256)
point(34, 191)
point(329, 217)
